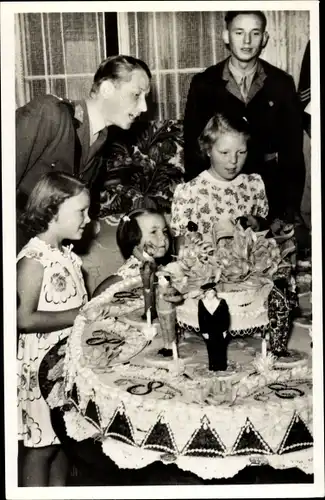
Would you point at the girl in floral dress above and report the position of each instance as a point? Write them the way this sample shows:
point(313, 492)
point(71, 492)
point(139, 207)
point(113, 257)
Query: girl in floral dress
point(222, 191)
point(51, 291)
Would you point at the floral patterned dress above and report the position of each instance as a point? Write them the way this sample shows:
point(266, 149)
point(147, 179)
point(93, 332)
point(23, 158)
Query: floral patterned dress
point(205, 200)
point(130, 268)
point(62, 288)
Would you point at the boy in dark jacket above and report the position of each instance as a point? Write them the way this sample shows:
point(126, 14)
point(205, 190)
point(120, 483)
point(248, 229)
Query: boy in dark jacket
point(267, 98)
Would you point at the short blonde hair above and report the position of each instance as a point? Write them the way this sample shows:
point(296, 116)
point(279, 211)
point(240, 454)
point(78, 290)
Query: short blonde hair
point(220, 124)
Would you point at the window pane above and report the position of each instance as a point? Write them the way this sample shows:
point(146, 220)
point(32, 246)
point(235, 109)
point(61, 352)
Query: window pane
point(133, 34)
point(199, 39)
point(184, 80)
point(165, 36)
point(54, 45)
point(82, 50)
point(79, 88)
point(59, 44)
point(58, 87)
point(143, 47)
point(37, 87)
point(167, 96)
point(189, 40)
point(212, 27)
point(79, 26)
point(34, 45)
point(80, 57)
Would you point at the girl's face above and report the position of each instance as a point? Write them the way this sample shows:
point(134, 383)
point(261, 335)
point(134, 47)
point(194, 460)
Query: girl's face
point(228, 154)
point(72, 216)
point(154, 232)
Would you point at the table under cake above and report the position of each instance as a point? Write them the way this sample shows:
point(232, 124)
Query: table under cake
point(117, 390)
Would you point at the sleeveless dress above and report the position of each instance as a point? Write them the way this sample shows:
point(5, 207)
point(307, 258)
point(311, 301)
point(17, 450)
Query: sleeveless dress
point(62, 288)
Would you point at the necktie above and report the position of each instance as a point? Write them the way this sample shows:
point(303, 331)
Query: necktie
point(244, 87)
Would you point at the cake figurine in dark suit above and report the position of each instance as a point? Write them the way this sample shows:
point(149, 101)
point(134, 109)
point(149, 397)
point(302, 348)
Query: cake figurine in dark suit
point(214, 321)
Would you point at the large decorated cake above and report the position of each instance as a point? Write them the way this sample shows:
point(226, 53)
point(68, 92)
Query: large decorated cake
point(210, 423)
point(242, 262)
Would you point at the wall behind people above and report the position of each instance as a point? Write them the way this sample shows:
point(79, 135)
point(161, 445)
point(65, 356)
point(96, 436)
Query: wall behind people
point(59, 52)
point(178, 44)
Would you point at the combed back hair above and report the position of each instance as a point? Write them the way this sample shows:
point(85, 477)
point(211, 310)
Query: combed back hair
point(118, 69)
point(128, 234)
point(222, 124)
point(52, 189)
point(231, 14)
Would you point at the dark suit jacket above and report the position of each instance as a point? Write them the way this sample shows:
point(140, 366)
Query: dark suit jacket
point(214, 324)
point(274, 114)
point(53, 133)
point(304, 88)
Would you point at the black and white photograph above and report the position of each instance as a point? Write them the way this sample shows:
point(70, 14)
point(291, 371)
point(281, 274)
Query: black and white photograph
point(179, 357)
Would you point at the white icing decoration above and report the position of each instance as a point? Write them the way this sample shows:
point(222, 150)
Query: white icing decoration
point(183, 413)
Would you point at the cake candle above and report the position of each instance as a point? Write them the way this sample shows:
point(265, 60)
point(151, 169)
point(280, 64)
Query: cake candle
point(263, 348)
point(175, 353)
point(149, 316)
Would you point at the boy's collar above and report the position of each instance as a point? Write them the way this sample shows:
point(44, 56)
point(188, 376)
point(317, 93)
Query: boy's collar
point(227, 75)
point(240, 72)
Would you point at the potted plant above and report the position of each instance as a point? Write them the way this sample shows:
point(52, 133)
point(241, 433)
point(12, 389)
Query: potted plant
point(143, 172)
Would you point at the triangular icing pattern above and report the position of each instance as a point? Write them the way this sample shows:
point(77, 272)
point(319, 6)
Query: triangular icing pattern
point(160, 437)
point(204, 442)
point(249, 441)
point(120, 427)
point(92, 413)
point(297, 436)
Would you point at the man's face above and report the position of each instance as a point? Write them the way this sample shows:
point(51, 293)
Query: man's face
point(127, 100)
point(245, 37)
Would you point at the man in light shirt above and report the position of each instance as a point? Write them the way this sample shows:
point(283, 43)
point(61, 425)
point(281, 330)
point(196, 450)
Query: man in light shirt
point(266, 96)
point(57, 134)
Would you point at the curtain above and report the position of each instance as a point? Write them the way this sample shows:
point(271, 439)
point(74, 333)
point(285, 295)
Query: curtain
point(289, 35)
point(57, 53)
point(176, 45)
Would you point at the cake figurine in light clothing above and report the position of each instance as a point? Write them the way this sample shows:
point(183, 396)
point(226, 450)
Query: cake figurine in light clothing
point(167, 298)
point(214, 321)
point(147, 270)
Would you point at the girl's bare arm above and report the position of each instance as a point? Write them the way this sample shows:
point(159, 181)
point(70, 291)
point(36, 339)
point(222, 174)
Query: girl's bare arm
point(114, 278)
point(29, 319)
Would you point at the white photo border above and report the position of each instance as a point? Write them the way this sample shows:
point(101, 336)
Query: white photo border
point(8, 9)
